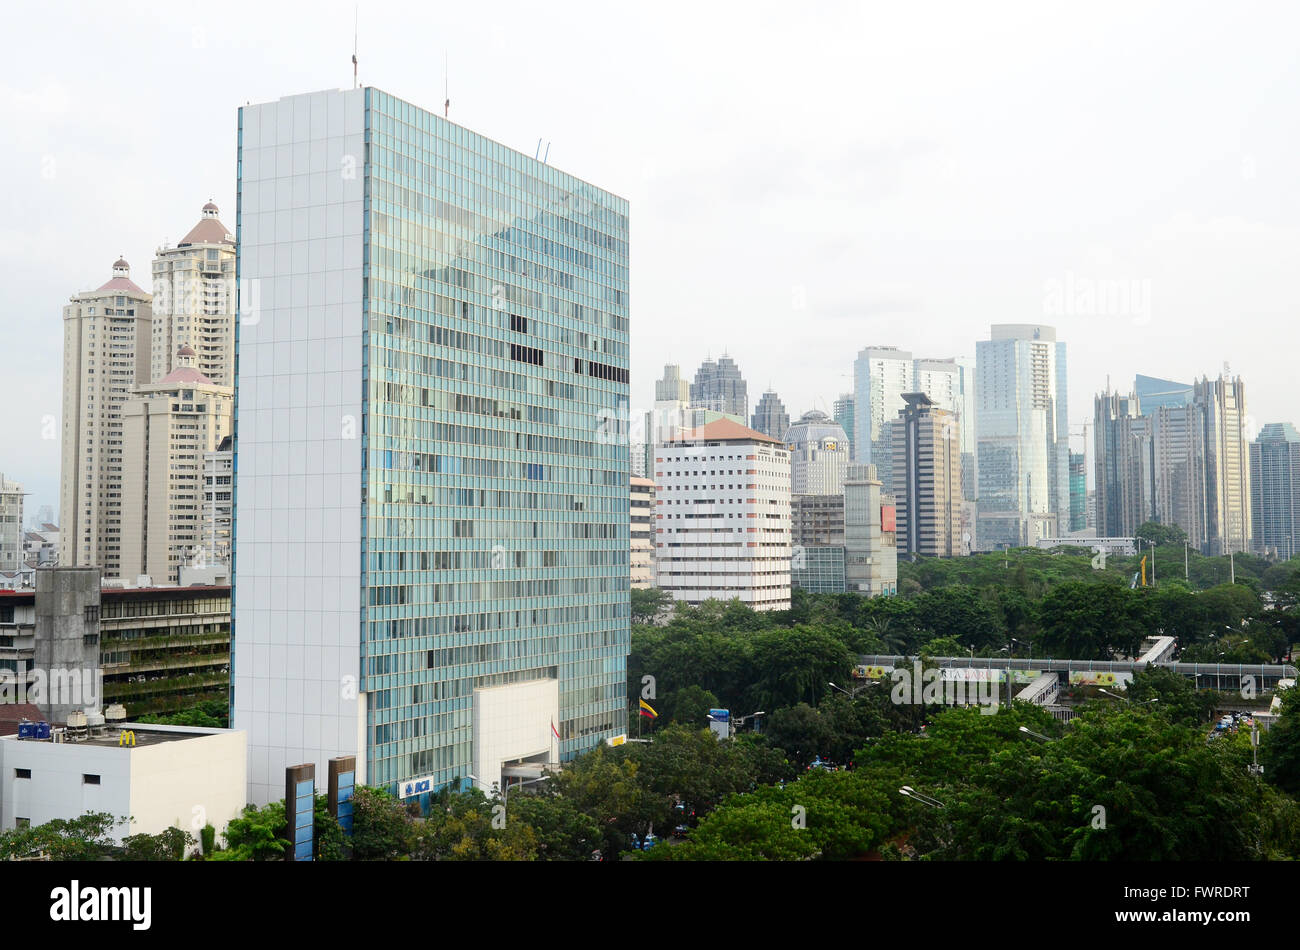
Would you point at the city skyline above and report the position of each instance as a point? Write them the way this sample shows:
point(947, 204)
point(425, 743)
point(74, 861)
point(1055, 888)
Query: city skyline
point(1142, 263)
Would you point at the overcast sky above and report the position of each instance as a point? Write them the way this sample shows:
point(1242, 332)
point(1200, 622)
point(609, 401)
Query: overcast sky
point(803, 182)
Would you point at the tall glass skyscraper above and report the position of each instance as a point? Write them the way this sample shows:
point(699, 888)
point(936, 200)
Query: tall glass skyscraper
point(431, 491)
point(1022, 435)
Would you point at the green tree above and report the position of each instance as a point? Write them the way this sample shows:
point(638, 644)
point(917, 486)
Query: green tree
point(381, 825)
point(257, 835)
point(1161, 534)
point(689, 705)
point(1279, 748)
point(648, 603)
point(87, 837)
point(563, 832)
point(168, 845)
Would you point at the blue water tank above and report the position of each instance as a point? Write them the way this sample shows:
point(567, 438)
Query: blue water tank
point(42, 730)
point(27, 730)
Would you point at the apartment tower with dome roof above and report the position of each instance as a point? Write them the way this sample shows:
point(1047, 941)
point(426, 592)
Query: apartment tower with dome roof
point(106, 352)
point(168, 427)
point(194, 301)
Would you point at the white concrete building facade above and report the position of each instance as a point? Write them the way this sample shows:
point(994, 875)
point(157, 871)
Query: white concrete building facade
point(722, 516)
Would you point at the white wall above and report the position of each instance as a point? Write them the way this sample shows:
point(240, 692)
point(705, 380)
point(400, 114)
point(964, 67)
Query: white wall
point(514, 722)
point(297, 583)
point(178, 784)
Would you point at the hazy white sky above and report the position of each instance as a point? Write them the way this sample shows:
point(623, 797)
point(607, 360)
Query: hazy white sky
point(804, 182)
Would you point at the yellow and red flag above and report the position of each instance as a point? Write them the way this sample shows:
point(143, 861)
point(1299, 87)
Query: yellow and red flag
point(648, 711)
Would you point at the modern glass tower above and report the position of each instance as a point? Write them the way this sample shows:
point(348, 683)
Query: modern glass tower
point(1022, 435)
point(1275, 489)
point(431, 484)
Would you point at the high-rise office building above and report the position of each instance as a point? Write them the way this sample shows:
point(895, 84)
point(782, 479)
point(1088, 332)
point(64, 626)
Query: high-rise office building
point(870, 541)
point(106, 353)
point(770, 418)
point(1179, 463)
point(927, 478)
point(1154, 393)
point(641, 515)
point(843, 413)
point(881, 374)
point(11, 525)
point(719, 386)
point(819, 455)
point(194, 301)
point(1275, 490)
point(1124, 472)
point(722, 531)
point(1220, 442)
point(950, 384)
point(431, 517)
point(1022, 436)
point(168, 428)
point(672, 387)
point(1078, 492)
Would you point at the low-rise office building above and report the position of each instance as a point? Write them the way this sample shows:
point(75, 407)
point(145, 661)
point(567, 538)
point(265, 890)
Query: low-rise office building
point(152, 777)
point(722, 516)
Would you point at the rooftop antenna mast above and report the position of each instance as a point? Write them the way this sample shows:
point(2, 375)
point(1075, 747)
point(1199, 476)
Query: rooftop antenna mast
point(356, 18)
point(446, 86)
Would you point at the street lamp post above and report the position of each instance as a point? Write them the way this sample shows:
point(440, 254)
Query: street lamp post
point(1145, 702)
point(1036, 735)
point(908, 791)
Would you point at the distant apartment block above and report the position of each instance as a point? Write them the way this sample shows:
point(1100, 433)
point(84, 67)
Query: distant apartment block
point(169, 427)
point(194, 301)
point(641, 514)
point(722, 525)
point(106, 353)
point(218, 505)
point(12, 536)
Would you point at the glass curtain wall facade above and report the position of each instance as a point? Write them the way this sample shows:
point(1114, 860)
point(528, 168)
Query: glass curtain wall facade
point(464, 313)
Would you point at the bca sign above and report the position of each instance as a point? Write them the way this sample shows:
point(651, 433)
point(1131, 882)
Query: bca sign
point(417, 787)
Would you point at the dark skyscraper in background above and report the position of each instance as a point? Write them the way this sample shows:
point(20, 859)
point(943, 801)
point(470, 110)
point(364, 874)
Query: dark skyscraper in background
point(770, 418)
point(720, 387)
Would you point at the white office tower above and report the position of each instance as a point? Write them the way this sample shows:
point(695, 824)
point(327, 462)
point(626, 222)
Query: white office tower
point(106, 353)
point(819, 454)
point(1022, 436)
point(194, 301)
point(722, 526)
point(870, 535)
point(881, 374)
